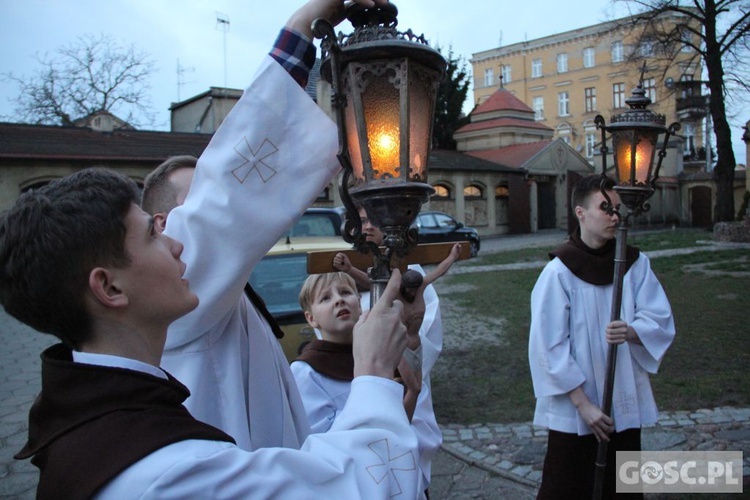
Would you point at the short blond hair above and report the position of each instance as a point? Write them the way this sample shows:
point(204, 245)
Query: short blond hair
point(315, 282)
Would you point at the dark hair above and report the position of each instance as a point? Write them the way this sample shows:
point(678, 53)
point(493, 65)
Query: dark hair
point(586, 186)
point(159, 195)
point(52, 238)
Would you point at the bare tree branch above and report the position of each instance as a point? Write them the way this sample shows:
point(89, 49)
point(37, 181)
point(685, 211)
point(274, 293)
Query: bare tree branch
point(92, 74)
point(720, 36)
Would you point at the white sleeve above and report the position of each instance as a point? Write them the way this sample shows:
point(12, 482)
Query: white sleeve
point(553, 370)
point(269, 160)
point(429, 435)
point(653, 320)
point(369, 453)
point(431, 331)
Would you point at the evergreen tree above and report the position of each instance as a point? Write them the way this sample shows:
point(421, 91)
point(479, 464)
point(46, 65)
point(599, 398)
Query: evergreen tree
point(450, 100)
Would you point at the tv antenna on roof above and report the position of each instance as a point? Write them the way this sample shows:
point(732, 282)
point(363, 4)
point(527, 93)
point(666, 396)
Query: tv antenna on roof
point(222, 24)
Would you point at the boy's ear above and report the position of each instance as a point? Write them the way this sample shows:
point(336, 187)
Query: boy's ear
point(104, 289)
point(160, 221)
point(579, 212)
point(311, 321)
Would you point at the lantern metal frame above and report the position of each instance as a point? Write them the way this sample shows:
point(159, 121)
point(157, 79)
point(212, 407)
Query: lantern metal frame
point(391, 203)
point(634, 193)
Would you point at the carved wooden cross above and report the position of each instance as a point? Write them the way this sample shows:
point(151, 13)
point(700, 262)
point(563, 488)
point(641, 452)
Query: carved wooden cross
point(426, 253)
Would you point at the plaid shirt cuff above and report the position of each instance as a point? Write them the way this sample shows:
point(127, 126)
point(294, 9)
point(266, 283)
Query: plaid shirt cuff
point(295, 53)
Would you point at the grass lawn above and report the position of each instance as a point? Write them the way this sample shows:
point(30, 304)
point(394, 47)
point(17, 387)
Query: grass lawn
point(705, 367)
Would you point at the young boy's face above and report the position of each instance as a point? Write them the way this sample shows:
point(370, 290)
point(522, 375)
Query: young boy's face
point(595, 222)
point(334, 311)
point(153, 281)
point(372, 233)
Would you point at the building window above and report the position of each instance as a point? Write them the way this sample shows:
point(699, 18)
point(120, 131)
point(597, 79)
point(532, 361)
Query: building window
point(618, 53)
point(562, 63)
point(687, 39)
point(647, 48)
point(565, 132)
point(473, 191)
point(589, 57)
point(649, 85)
point(689, 139)
point(502, 192)
point(442, 191)
point(505, 73)
point(538, 105)
point(536, 68)
point(618, 95)
point(563, 104)
point(590, 99)
point(489, 76)
point(590, 144)
point(686, 90)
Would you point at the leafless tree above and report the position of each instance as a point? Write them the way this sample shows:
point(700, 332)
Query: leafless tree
point(718, 32)
point(92, 74)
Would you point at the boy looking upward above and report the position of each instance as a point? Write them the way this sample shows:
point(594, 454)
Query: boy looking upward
point(324, 369)
point(80, 260)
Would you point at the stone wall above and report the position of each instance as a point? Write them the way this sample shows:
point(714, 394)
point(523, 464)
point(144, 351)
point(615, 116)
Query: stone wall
point(735, 232)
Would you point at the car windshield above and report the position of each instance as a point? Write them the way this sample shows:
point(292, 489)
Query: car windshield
point(278, 279)
point(315, 224)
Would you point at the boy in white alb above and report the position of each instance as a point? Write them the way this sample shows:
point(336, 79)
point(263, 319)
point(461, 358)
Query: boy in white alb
point(324, 368)
point(569, 340)
point(430, 341)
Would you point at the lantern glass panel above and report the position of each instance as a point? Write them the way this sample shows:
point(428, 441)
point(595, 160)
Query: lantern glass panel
point(380, 100)
point(420, 121)
point(634, 155)
point(355, 152)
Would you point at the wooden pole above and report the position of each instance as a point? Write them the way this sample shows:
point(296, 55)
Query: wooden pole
point(609, 382)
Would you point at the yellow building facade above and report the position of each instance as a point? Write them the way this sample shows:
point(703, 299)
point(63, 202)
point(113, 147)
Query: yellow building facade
point(569, 78)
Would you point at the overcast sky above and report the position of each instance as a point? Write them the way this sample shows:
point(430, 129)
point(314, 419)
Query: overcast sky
point(187, 31)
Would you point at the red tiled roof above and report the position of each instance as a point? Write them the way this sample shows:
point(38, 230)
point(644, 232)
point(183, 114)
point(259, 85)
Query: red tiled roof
point(503, 122)
point(513, 156)
point(78, 143)
point(500, 101)
point(444, 159)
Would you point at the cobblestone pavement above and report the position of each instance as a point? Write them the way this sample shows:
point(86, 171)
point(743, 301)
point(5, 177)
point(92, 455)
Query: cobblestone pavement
point(516, 451)
point(484, 461)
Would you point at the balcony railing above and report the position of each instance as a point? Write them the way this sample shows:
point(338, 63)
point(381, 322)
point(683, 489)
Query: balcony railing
point(692, 107)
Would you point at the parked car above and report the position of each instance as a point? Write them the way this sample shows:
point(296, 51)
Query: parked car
point(319, 221)
point(278, 278)
point(439, 227)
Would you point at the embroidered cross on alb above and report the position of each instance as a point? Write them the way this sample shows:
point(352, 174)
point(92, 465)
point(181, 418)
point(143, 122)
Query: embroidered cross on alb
point(388, 465)
point(624, 402)
point(254, 160)
point(543, 362)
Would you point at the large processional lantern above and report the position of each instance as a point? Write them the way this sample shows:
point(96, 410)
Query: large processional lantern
point(634, 139)
point(384, 86)
point(635, 134)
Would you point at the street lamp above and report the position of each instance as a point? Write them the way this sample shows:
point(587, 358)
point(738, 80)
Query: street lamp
point(634, 137)
point(384, 85)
